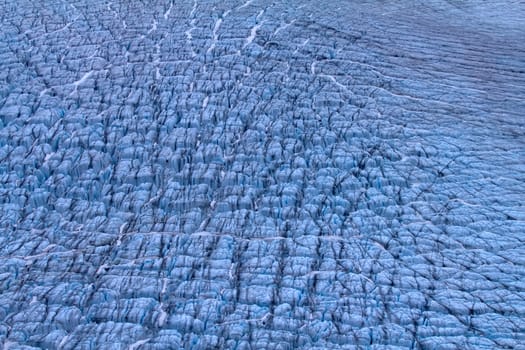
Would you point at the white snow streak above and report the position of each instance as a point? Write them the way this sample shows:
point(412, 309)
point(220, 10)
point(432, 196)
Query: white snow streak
point(334, 80)
point(253, 34)
point(192, 24)
point(153, 27)
point(215, 36)
point(245, 4)
point(161, 321)
point(83, 79)
point(63, 341)
point(135, 345)
point(284, 26)
point(167, 13)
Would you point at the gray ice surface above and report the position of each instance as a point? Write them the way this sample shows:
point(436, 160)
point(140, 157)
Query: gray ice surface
point(262, 174)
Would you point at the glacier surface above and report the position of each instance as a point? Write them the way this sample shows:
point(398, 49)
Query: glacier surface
point(262, 174)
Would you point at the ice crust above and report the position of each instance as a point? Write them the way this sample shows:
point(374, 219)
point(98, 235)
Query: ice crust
point(262, 174)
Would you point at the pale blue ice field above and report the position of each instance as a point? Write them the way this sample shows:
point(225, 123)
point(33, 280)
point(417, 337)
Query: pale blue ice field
point(262, 175)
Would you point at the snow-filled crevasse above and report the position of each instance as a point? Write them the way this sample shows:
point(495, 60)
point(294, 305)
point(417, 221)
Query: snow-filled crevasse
point(256, 174)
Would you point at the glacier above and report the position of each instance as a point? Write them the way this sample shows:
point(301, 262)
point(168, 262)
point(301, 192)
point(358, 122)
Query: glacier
point(262, 174)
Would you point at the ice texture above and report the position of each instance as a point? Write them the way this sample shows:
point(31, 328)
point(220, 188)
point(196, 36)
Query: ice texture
point(262, 174)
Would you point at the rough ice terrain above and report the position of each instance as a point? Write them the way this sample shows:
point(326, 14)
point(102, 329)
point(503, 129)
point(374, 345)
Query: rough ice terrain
point(262, 174)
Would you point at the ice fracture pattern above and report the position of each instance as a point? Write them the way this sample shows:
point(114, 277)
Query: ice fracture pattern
point(262, 174)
